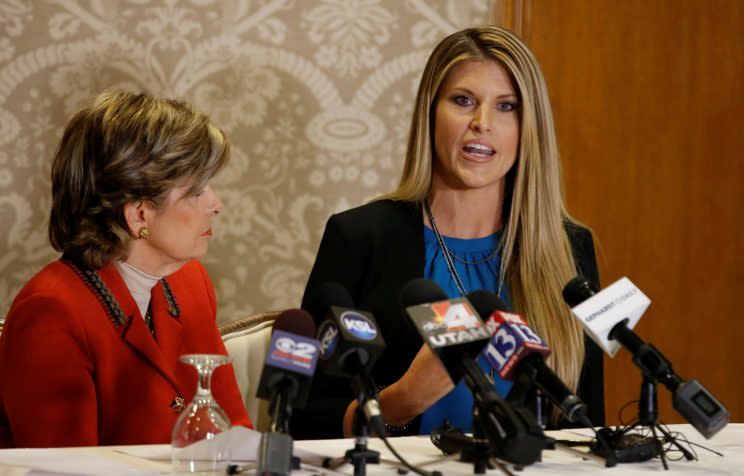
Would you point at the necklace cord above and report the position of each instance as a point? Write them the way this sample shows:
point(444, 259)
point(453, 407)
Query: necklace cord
point(451, 266)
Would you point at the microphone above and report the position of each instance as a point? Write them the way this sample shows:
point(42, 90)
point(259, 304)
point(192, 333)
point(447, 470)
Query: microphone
point(456, 335)
point(451, 327)
point(285, 381)
point(326, 295)
point(515, 351)
point(609, 316)
point(620, 302)
point(289, 366)
point(350, 344)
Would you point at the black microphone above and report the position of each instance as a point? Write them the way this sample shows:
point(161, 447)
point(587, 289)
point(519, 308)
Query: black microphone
point(289, 366)
point(456, 335)
point(605, 316)
point(322, 297)
point(350, 344)
point(516, 352)
point(285, 381)
point(451, 328)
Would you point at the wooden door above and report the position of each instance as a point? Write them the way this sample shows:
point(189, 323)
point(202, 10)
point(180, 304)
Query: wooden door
point(649, 104)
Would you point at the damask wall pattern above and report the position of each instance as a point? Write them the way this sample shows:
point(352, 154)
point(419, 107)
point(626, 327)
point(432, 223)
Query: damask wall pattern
point(316, 96)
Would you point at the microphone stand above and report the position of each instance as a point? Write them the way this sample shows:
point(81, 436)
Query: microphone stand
point(654, 366)
point(508, 427)
point(281, 407)
point(648, 417)
point(275, 450)
point(522, 391)
point(360, 455)
point(478, 449)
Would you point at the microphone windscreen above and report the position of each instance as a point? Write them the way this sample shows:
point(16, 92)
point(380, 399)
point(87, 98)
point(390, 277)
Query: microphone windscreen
point(326, 295)
point(578, 290)
point(421, 291)
point(295, 321)
point(486, 302)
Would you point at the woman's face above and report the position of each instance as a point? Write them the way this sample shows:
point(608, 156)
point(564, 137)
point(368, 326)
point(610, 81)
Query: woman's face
point(476, 126)
point(181, 227)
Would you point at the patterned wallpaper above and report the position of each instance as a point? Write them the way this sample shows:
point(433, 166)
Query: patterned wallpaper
point(316, 96)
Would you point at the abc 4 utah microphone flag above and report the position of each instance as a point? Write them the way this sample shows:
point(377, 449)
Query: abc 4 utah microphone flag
point(450, 324)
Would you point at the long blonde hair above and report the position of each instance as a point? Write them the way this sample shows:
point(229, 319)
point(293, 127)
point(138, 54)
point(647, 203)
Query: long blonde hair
point(536, 255)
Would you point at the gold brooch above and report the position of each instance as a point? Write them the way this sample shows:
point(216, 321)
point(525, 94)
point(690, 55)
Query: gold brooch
point(178, 405)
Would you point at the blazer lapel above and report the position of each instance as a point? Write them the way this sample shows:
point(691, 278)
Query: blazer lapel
point(167, 327)
point(136, 333)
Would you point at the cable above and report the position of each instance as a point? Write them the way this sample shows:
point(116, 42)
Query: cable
point(620, 418)
point(406, 463)
point(610, 459)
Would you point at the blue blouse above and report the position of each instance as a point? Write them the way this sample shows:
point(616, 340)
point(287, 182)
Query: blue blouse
point(480, 273)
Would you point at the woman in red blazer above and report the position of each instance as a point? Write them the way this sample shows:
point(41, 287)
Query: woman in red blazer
point(89, 354)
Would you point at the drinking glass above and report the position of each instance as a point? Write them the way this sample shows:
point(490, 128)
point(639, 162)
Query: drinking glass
point(201, 420)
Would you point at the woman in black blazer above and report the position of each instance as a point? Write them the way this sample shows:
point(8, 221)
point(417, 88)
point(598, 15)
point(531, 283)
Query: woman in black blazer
point(482, 163)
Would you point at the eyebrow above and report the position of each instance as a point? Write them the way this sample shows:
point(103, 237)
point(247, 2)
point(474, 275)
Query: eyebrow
point(468, 91)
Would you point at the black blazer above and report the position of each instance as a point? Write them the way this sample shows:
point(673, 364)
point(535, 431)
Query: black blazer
point(373, 251)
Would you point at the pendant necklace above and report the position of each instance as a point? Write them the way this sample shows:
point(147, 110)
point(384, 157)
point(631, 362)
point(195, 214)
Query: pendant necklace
point(448, 255)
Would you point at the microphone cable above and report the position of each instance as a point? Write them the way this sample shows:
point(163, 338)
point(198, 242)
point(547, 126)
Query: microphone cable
point(406, 464)
point(610, 458)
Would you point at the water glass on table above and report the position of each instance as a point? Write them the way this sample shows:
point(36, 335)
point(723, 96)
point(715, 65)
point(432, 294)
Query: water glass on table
point(200, 422)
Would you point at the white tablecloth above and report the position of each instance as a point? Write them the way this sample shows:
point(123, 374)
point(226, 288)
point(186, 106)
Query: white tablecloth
point(115, 461)
point(730, 442)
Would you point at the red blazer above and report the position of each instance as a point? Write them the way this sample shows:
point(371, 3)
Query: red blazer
point(72, 374)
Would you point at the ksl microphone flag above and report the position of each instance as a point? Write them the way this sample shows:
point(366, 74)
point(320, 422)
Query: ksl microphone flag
point(350, 342)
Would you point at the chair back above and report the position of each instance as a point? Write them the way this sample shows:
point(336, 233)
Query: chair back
point(247, 342)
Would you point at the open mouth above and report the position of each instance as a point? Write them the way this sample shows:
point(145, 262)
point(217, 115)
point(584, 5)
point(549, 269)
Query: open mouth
point(478, 151)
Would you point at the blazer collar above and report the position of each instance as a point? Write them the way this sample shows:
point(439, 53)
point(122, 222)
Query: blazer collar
point(162, 350)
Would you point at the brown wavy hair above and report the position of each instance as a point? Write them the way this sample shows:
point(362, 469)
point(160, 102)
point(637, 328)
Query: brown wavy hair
point(121, 148)
point(536, 254)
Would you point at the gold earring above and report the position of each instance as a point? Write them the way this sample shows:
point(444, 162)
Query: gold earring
point(143, 233)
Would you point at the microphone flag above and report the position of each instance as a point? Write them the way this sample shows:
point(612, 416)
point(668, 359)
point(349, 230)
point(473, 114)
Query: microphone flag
point(512, 340)
point(450, 324)
point(600, 313)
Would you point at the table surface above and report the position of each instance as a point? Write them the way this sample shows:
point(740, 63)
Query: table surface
point(127, 460)
point(729, 442)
